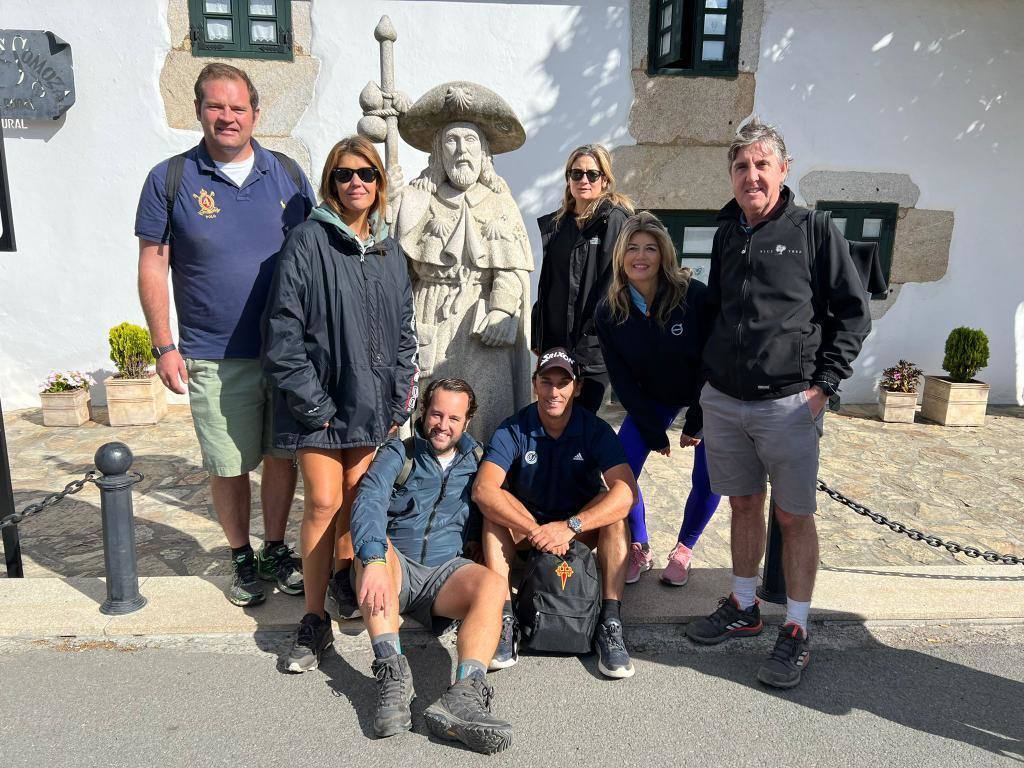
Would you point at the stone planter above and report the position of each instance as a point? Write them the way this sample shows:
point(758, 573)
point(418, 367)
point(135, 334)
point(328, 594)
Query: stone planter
point(954, 404)
point(132, 402)
point(897, 407)
point(65, 409)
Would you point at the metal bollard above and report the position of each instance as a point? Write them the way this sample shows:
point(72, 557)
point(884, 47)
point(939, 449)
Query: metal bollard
point(773, 583)
point(114, 460)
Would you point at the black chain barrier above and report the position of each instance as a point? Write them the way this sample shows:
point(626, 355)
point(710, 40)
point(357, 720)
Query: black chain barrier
point(916, 535)
point(54, 498)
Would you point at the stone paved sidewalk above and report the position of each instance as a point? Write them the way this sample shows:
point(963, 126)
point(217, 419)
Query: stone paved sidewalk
point(964, 484)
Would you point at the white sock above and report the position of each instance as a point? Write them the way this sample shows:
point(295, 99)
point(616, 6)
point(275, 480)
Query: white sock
point(796, 612)
point(745, 590)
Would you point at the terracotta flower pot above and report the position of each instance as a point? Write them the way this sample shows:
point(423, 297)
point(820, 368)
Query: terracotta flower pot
point(65, 409)
point(133, 402)
point(954, 403)
point(897, 407)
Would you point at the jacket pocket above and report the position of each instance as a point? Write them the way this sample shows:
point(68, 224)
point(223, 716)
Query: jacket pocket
point(780, 359)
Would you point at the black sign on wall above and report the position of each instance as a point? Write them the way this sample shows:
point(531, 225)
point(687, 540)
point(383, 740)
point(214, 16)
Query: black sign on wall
point(37, 80)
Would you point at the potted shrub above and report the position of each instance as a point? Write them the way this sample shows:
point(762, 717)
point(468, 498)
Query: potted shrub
point(958, 400)
point(135, 394)
point(897, 392)
point(65, 398)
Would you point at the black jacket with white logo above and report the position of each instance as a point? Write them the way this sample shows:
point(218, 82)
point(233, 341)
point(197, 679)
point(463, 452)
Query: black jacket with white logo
point(781, 320)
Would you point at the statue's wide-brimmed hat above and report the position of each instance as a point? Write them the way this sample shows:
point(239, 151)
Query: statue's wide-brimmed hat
point(462, 102)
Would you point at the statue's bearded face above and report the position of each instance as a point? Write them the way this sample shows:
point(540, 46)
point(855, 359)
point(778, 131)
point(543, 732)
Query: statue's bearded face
point(462, 154)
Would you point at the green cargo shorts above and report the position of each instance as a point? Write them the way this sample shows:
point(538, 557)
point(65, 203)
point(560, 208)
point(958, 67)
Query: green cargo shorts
point(233, 414)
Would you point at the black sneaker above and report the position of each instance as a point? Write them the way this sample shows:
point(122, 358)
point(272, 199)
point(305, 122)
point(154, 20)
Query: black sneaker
point(463, 713)
point(280, 564)
point(395, 693)
point(341, 603)
point(312, 638)
point(245, 588)
point(507, 652)
point(788, 659)
point(727, 621)
point(612, 658)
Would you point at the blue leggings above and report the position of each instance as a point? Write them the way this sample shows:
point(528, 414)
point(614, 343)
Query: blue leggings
point(700, 504)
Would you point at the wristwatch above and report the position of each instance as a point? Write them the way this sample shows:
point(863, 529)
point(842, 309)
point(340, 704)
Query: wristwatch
point(158, 351)
point(575, 524)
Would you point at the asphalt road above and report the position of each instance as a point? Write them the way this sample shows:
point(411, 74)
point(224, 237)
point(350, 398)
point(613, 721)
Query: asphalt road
point(932, 695)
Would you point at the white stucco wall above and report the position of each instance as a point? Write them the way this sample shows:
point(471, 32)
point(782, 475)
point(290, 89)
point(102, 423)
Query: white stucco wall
point(931, 90)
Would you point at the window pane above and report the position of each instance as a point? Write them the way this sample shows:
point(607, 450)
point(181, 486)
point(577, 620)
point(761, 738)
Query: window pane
point(666, 44)
point(714, 24)
point(666, 17)
point(713, 50)
point(700, 267)
point(218, 30)
point(722, 4)
point(872, 228)
point(218, 6)
point(698, 239)
point(841, 224)
point(263, 31)
point(261, 8)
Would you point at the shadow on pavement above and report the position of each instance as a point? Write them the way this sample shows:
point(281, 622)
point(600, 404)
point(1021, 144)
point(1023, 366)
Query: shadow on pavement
point(1012, 575)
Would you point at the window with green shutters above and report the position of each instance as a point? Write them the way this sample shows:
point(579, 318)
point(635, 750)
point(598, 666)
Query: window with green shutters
point(867, 222)
point(693, 233)
point(695, 37)
point(243, 29)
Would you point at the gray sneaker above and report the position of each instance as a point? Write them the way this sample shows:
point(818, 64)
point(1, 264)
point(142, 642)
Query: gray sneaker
point(395, 693)
point(281, 565)
point(463, 713)
point(340, 602)
point(612, 658)
point(245, 589)
point(312, 638)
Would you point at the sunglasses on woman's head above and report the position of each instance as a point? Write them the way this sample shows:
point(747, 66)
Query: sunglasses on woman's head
point(592, 176)
point(344, 175)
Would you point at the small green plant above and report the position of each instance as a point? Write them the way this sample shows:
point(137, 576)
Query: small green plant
point(966, 353)
point(130, 350)
point(902, 377)
point(66, 381)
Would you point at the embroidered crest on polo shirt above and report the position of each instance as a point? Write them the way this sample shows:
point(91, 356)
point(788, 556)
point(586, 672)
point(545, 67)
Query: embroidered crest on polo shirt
point(530, 457)
point(207, 205)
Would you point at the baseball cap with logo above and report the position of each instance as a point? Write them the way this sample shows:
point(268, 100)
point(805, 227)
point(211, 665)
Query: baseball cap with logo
point(557, 357)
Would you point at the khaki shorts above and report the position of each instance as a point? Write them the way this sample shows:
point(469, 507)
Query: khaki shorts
point(233, 414)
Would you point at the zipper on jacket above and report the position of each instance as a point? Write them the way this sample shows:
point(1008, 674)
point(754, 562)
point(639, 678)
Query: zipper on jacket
point(744, 290)
point(437, 501)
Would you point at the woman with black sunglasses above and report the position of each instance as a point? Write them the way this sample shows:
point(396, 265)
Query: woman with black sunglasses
point(339, 343)
point(578, 240)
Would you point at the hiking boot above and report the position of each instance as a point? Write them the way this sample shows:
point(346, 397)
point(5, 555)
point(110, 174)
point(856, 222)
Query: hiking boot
point(727, 621)
point(395, 693)
point(463, 713)
point(788, 659)
point(245, 588)
point(640, 560)
point(507, 652)
point(612, 657)
point(677, 572)
point(281, 565)
point(312, 638)
point(341, 602)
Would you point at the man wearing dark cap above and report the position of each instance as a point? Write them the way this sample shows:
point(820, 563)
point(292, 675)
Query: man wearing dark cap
point(553, 473)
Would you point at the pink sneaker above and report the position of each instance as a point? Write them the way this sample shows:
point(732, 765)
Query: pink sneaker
point(677, 571)
point(640, 560)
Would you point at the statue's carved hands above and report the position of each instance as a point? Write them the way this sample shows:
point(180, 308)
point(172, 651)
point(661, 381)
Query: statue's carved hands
point(396, 180)
point(499, 329)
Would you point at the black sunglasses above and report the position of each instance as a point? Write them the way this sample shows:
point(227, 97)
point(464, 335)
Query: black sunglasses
point(344, 175)
point(592, 176)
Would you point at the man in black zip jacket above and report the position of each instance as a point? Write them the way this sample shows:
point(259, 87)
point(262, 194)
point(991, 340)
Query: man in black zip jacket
point(787, 326)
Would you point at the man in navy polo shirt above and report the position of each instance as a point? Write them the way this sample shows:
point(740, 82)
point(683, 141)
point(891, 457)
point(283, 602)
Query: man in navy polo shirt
point(553, 473)
point(219, 236)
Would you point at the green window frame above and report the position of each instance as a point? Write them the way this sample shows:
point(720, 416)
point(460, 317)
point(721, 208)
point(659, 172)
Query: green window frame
point(241, 29)
point(692, 234)
point(694, 37)
point(867, 222)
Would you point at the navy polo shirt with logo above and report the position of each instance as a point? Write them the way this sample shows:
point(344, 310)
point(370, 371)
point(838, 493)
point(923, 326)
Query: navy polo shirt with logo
point(554, 479)
point(224, 247)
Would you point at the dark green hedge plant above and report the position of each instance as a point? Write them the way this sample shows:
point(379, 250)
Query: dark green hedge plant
point(130, 350)
point(966, 353)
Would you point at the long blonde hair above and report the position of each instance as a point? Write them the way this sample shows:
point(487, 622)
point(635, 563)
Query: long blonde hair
point(363, 147)
point(604, 164)
point(676, 279)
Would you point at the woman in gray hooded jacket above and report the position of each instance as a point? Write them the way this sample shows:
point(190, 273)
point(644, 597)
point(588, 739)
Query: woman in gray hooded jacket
point(340, 346)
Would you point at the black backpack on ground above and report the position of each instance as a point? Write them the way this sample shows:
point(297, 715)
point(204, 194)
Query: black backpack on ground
point(559, 601)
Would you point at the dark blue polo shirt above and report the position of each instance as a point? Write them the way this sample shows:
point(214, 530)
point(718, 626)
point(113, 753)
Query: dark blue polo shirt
point(225, 244)
point(554, 479)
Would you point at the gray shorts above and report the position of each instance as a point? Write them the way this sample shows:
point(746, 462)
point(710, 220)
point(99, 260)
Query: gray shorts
point(750, 441)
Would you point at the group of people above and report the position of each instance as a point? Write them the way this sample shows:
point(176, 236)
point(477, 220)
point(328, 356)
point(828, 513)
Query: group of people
point(297, 343)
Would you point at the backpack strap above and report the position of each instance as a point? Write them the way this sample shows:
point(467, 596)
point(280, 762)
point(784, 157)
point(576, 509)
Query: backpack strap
point(175, 171)
point(403, 476)
point(291, 166)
